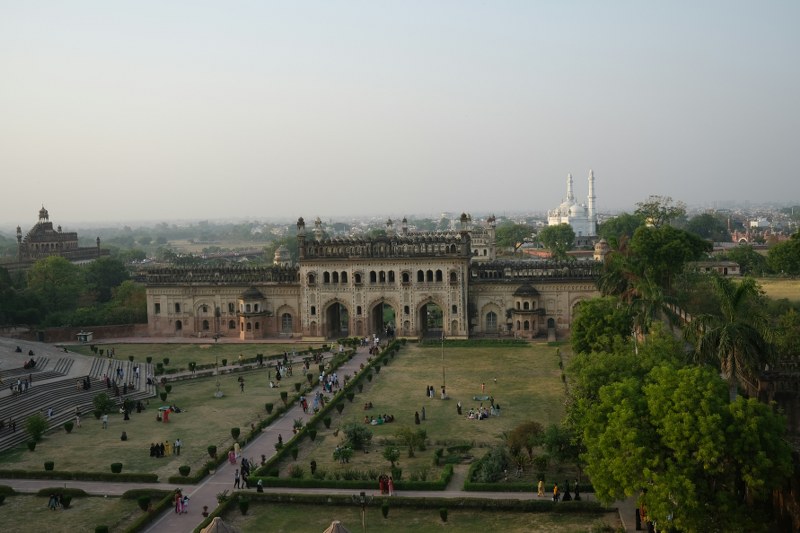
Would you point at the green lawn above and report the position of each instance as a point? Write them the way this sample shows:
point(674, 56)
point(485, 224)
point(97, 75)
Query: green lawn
point(206, 420)
point(180, 355)
point(528, 387)
point(306, 518)
point(781, 288)
point(29, 514)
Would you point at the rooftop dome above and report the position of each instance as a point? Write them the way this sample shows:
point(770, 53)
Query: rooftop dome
point(526, 290)
point(251, 294)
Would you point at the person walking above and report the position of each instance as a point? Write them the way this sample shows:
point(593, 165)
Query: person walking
point(540, 488)
point(105, 421)
point(236, 479)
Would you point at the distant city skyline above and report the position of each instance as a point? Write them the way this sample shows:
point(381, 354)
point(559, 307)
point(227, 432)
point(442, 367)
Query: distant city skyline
point(153, 111)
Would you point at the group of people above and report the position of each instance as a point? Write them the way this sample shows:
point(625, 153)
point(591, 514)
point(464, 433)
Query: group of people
point(242, 474)
point(386, 484)
point(22, 385)
point(181, 502)
point(164, 449)
point(55, 501)
point(557, 495)
point(83, 383)
point(379, 421)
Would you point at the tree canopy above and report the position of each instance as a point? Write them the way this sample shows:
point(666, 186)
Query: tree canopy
point(660, 210)
point(510, 235)
point(558, 239)
point(709, 226)
point(598, 324)
point(784, 257)
point(622, 225)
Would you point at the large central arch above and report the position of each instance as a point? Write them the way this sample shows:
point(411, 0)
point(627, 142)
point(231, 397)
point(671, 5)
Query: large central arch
point(431, 319)
point(337, 320)
point(383, 319)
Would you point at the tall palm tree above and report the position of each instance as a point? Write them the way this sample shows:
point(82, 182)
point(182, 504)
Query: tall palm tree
point(737, 336)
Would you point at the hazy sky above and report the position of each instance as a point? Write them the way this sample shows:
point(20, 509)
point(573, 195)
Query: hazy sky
point(157, 110)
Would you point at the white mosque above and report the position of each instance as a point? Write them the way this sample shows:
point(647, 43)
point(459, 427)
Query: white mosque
point(582, 217)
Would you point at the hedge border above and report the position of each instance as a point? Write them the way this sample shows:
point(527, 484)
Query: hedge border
point(352, 484)
point(127, 477)
point(154, 512)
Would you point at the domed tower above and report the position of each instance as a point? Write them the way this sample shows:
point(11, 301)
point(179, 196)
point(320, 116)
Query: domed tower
point(301, 238)
point(282, 257)
point(601, 249)
point(404, 226)
point(318, 232)
point(389, 228)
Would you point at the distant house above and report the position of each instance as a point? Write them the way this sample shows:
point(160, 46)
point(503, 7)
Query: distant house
point(724, 268)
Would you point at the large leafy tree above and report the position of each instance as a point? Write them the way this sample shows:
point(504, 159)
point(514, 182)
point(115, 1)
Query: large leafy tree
point(103, 274)
point(695, 460)
point(659, 211)
point(599, 323)
point(559, 239)
point(664, 251)
point(57, 283)
point(784, 257)
point(750, 261)
point(709, 226)
point(736, 336)
point(623, 225)
point(510, 235)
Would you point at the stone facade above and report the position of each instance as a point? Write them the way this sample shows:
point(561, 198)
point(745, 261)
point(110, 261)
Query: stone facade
point(412, 284)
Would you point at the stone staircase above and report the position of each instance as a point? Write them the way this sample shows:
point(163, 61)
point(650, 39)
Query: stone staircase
point(51, 389)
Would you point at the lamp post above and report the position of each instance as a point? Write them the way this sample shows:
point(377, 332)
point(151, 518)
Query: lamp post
point(443, 380)
point(363, 500)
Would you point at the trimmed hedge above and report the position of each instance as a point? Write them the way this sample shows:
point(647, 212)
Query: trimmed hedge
point(73, 493)
point(155, 510)
point(79, 476)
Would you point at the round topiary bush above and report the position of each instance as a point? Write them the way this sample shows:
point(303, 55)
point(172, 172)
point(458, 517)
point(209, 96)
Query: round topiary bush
point(312, 434)
point(101, 529)
point(2, 498)
point(166, 361)
point(385, 509)
point(31, 445)
point(350, 396)
point(297, 387)
point(369, 376)
point(144, 502)
point(269, 407)
point(130, 358)
point(224, 362)
point(377, 369)
point(212, 451)
point(49, 465)
point(163, 396)
point(310, 378)
point(360, 387)
point(327, 419)
point(294, 451)
point(340, 408)
point(443, 514)
point(116, 468)
point(244, 505)
point(168, 388)
point(68, 425)
point(149, 359)
point(184, 470)
point(285, 397)
point(235, 433)
point(66, 499)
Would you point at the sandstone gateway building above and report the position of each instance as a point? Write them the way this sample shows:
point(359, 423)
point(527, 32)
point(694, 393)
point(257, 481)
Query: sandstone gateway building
point(412, 284)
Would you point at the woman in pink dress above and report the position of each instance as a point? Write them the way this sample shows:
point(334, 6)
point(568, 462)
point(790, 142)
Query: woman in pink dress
point(231, 457)
point(391, 486)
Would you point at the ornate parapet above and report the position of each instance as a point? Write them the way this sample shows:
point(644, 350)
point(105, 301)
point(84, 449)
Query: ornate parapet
point(216, 275)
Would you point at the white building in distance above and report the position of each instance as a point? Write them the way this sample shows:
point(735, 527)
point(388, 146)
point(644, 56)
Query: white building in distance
point(582, 217)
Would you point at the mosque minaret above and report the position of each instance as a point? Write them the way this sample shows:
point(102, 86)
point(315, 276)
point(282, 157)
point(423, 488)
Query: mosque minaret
point(582, 217)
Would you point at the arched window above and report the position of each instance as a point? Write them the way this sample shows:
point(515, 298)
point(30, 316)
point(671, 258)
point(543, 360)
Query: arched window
point(312, 279)
point(405, 277)
point(438, 275)
point(286, 323)
point(249, 326)
point(491, 321)
point(344, 277)
point(231, 307)
point(406, 310)
point(373, 277)
point(336, 277)
point(178, 325)
point(357, 278)
point(313, 310)
point(526, 306)
point(391, 276)
point(518, 306)
point(205, 325)
point(453, 277)
point(255, 308)
point(420, 276)
point(205, 309)
point(429, 275)
point(246, 308)
point(231, 324)
point(258, 324)
point(326, 277)
point(526, 325)
point(358, 310)
point(382, 276)
point(454, 310)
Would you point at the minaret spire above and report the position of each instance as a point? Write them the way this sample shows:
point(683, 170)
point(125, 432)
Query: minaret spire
point(592, 198)
point(570, 196)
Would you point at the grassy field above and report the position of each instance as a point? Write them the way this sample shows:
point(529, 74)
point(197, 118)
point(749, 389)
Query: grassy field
point(206, 420)
point(180, 355)
point(525, 381)
point(291, 519)
point(781, 288)
point(29, 514)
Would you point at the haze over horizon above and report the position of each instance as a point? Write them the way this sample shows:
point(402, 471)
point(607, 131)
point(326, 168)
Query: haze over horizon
point(152, 111)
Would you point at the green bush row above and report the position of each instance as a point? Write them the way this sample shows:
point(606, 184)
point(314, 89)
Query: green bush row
point(79, 476)
point(162, 505)
point(476, 343)
point(5, 490)
point(74, 493)
point(309, 483)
